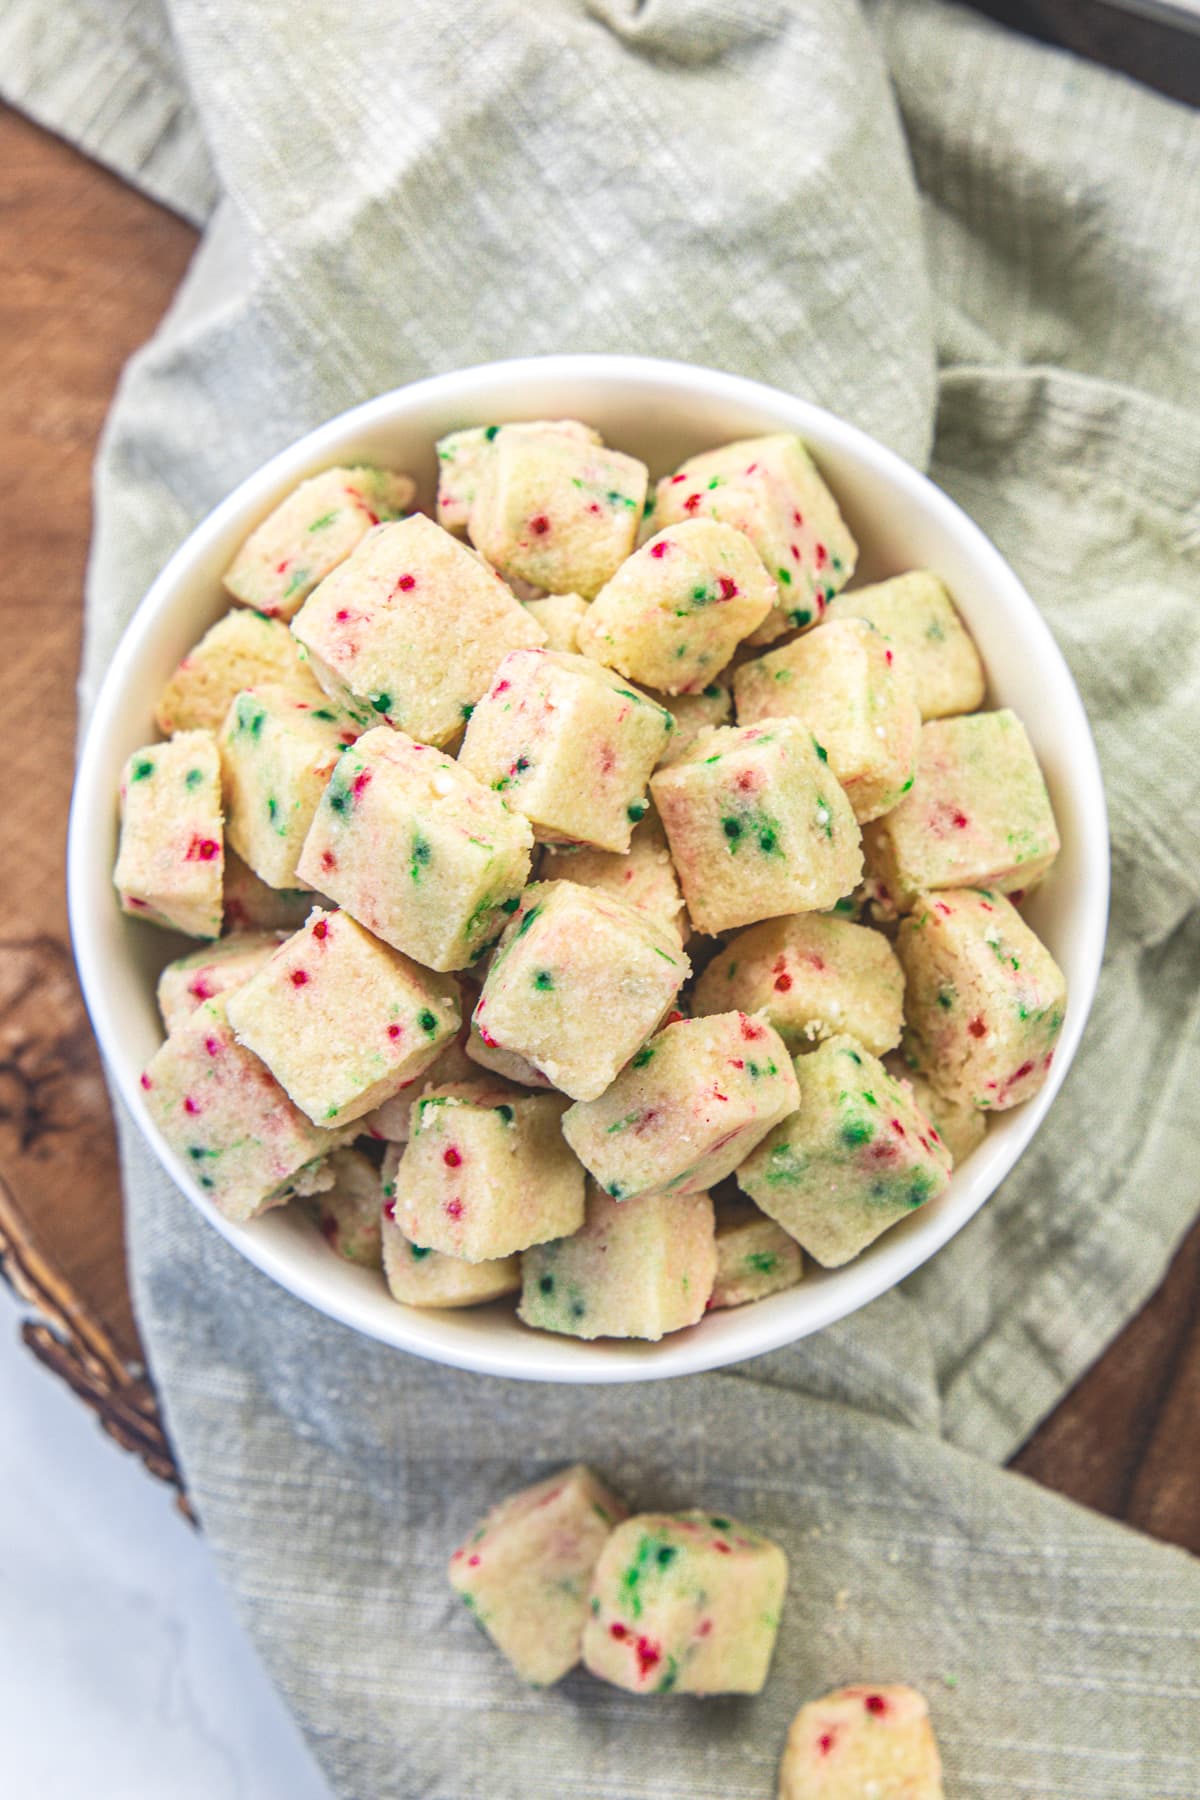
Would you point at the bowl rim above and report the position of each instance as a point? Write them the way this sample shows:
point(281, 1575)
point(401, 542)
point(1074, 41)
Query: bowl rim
point(894, 1256)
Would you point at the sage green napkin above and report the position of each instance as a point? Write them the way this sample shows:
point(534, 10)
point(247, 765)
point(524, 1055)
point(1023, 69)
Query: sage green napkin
point(988, 255)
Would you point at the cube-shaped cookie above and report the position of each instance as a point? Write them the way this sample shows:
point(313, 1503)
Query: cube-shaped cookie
point(418, 1276)
point(858, 697)
point(228, 1120)
point(978, 814)
point(812, 976)
point(242, 650)
point(675, 612)
point(550, 994)
point(755, 1257)
point(171, 857)
point(556, 510)
point(917, 614)
point(409, 629)
point(310, 533)
point(643, 878)
point(212, 970)
point(409, 842)
point(341, 1019)
point(862, 1740)
point(250, 905)
point(461, 455)
point(637, 1270)
point(560, 616)
point(854, 1157)
point(984, 1001)
point(758, 825)
point(485, 1172)
point(277, 754)
point(688, 1108)
point(769, 488)
point(526, 1569)
point(349, 1215)
point(959, 1124)
point(685, 1603)
point(569, 744)
point(694, 713)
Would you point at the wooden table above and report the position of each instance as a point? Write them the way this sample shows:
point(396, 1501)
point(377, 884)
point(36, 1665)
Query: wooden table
point(90, 266)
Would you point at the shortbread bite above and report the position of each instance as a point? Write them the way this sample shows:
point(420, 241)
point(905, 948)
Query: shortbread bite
point(310, 533)
point(171, 857)
point(688, 1108)
point(984, 1002)
point(417, 1276)
point(550, 995)
point(251, 905)
point(213, 970)
point(461, 455)
point(637, 1270)
point(855, 1156)
point(409, 629)
point(769, 488)
point(569, 744)
point(685, 1603)
point(755, 1257)
point(417, 849)
point(675, 612)
point(694, 713)
point(392, 1121)
point(277, 754)
point(862, 1740)
point(526, 1569)
point(342, 1020)
point(229, 1122)
point(643, 878)
point(811, 976)
point(758, 825)
point(961, 1126)
point(919, 617)
point(978, 814)
point(555, 510)
point(242, 650)
point(858, 697)
point(560, 617)
point(349, 1215)
point(486, 1172)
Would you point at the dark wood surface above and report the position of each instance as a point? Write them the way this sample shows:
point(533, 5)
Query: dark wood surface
point(90, 267)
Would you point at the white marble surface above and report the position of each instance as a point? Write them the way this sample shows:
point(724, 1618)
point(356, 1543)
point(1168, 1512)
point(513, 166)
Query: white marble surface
point(123, 1672)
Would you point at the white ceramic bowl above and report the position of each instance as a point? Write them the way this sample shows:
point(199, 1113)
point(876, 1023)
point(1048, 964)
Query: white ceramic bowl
point(661, 412)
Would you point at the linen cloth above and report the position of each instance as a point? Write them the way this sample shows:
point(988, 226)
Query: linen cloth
point(986, 254)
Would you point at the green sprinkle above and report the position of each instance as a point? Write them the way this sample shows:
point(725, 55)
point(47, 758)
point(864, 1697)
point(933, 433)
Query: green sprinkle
point(506, 1113)
point(427, 1021)
point(642, 1058)
point(543, 980)
point(721, 1524)
point(785, 575)
point(418, 1252)
point(250, 715)
point(666, 1555)
point(489, 433)
point(800, 615)
point(325, 520)
point(381, 702)
point(546, 1284)
point(614, 1190)
point(422, 854)
point(466, 711)
point(856, 1132)
point(637, 809)
point(763, 1262)
point(527, 921)
point(192, 779)
point(142, 770)
point(323, 712)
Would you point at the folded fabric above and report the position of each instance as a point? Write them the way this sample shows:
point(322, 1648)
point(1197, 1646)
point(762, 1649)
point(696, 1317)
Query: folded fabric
point(735, 184)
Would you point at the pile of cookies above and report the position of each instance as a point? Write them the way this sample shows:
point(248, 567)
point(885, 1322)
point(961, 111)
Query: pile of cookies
point(638, 901)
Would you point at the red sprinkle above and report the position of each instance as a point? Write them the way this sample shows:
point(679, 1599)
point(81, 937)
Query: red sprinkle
point(896, 1126)
point(825, 1743)
point(212, 1046)
point(875, 1703)
point(342, 616)
point(1025, 1069)
point(797, 517)
point(782, 983)
point(822, 556)
point(389, 1210)
point(617, 1630)
point(977, 1028)
point(750, 1031)
point(726, 588)
point(200, 990)
point(395, 1030)
point(328, 859)
point(890, 658)
point(704, 1627)
point(472, 1562)
point(501, 687)
point(202, 850)
point(189, 1105)
point(723, 1548)
point(676, 478)
point(147, 1083)
point(299, 977)
point(662, 548)
point(539, 526)
point(361, 780)
point(454, 1208)
point(320, 929)
point(451, 1158)
point(648, 1655)
point(406, 583)
point(691, 503)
